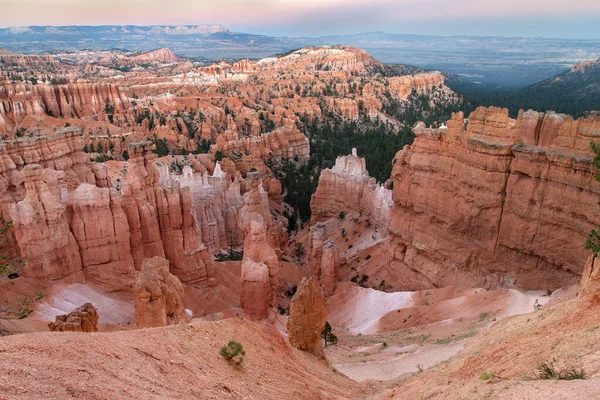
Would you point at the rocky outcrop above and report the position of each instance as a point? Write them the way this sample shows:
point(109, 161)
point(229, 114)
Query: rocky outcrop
point(158, 296)
point(402, 86)
point(307, 317)
point(41, 227)
point(29, 61)
point(256, 294)
point(348, 187)
point(100, 228)
point(70, 100)
point(323, 259)
point(258, 226)
point(82, 319)
point(590, 279)
point(495, 202)
point(60, 152)
point(330, 268)
point(214, 205)
point(164, 55)
point(286, 142)
point(349, 59)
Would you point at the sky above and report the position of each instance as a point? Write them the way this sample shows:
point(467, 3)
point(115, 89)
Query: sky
point(528, 18)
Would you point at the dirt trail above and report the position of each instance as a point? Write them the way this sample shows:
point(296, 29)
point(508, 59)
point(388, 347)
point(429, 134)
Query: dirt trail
point(446, 317)
point(523, 302)
point(384, 370)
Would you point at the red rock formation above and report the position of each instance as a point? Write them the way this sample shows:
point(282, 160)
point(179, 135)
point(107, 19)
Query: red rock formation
point(61, 152)
point(348, 187)
point(100, 228)
point(82, 319)
point(498, 202)
point(307, 317)
point(189, 258)
point(158, 296)
point(71, 100)
point(590, 279)
point(401, 86)
point(323, 259)
point(256, 294)
point(29, 61)
point(285, 142)
point(330, 268)
point(41, 228)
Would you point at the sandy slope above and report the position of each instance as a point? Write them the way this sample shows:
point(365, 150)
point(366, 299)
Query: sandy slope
point(176, 362)
point(378, 330)
point(568, 333)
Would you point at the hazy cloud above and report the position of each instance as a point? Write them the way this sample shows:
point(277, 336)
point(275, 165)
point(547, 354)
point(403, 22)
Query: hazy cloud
point(577, 18)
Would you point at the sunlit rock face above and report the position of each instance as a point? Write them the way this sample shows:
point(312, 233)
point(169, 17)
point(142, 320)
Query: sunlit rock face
point(495, 201)
point(348, 187)
point(158, 295)
point(70, 100)
point(307, 317)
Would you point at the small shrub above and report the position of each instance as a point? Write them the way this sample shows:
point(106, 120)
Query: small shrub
point(233, 352)
point(342, 215)
point(368, 257)
point(546, 370)
point(486, 376)
point(281, 310)
point(571, 374)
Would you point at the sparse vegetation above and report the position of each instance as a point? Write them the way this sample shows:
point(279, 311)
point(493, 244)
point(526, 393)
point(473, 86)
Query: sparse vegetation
point(233, 352)
point(327, 335)
point(547, 370)
point(229, 256)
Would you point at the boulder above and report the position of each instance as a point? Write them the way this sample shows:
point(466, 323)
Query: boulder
point(158, 296)
point(82, 319)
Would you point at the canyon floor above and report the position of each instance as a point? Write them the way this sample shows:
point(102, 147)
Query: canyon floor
point(453, 337)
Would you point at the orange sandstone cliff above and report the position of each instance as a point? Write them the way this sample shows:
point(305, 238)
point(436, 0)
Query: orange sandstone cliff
point(495, 201)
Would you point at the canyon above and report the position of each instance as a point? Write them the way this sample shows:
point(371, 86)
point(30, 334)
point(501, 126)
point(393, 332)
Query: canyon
point(147, 200)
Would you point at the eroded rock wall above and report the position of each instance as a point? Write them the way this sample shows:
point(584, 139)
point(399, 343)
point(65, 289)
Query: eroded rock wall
point(495, 202)
point(348, 187)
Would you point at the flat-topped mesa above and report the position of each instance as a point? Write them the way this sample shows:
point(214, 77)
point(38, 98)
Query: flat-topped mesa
point(498, 202)
point(164, 55)
point(70, 100)
point(339, 58)
point(402, 86)
point(348, 187)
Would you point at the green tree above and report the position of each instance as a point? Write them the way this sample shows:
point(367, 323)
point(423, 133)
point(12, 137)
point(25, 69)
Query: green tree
point(327, 335)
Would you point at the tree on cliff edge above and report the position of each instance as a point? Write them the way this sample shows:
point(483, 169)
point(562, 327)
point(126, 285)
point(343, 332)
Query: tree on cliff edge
point(593, 241)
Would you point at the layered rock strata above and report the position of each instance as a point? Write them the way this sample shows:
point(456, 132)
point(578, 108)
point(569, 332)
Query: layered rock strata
point(348, 187)
point(496, 201)
point(259, 253)
point(71, 100)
